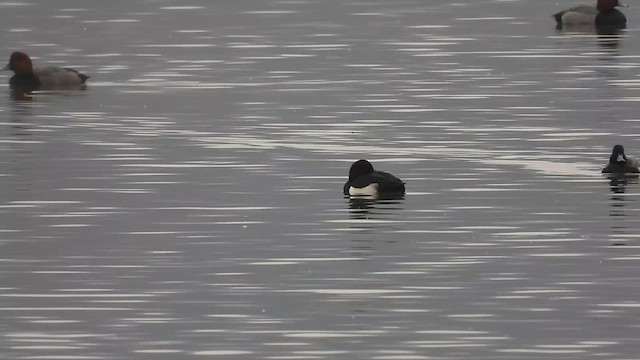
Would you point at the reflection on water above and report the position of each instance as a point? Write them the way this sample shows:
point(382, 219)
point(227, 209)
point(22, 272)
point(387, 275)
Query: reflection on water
point(610, 39)
point(618, 183)
point(21, 94)
point(189, 203)
point(621, 211)
point(362, 207)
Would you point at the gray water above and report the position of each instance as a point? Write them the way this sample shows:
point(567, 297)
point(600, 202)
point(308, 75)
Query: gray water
point(188, 203)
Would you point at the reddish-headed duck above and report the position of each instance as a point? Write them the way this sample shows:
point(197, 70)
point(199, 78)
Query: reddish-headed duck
point(604, 14)
point(50, 77)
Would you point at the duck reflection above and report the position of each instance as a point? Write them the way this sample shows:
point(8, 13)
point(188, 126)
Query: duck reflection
point(20, 115)
point(370, 217)
point(610, 37)
point(366, 207)
point(22, 93)
point(618, 185)
point(27, 93)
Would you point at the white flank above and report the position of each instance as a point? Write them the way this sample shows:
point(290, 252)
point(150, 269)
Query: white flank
point(369, 190)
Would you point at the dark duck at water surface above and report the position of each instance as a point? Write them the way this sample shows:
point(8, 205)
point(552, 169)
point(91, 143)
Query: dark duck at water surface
point(365, 181)
point(619, 163)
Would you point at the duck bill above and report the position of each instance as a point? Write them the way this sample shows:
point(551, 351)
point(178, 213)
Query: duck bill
point(6, 67)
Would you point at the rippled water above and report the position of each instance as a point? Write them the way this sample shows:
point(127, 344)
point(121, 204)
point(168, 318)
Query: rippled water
point(188, 203)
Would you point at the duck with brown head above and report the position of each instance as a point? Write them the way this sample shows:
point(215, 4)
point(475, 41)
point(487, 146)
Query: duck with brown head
point(25, 75)
point(604, 14)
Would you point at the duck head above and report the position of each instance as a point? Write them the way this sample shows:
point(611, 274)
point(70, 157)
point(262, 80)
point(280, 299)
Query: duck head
point(20, 64)
point(608, 5)
point(617, 155)
point(359, 168)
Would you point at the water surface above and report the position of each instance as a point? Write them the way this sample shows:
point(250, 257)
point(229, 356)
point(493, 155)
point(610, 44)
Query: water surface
point(188, 202)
